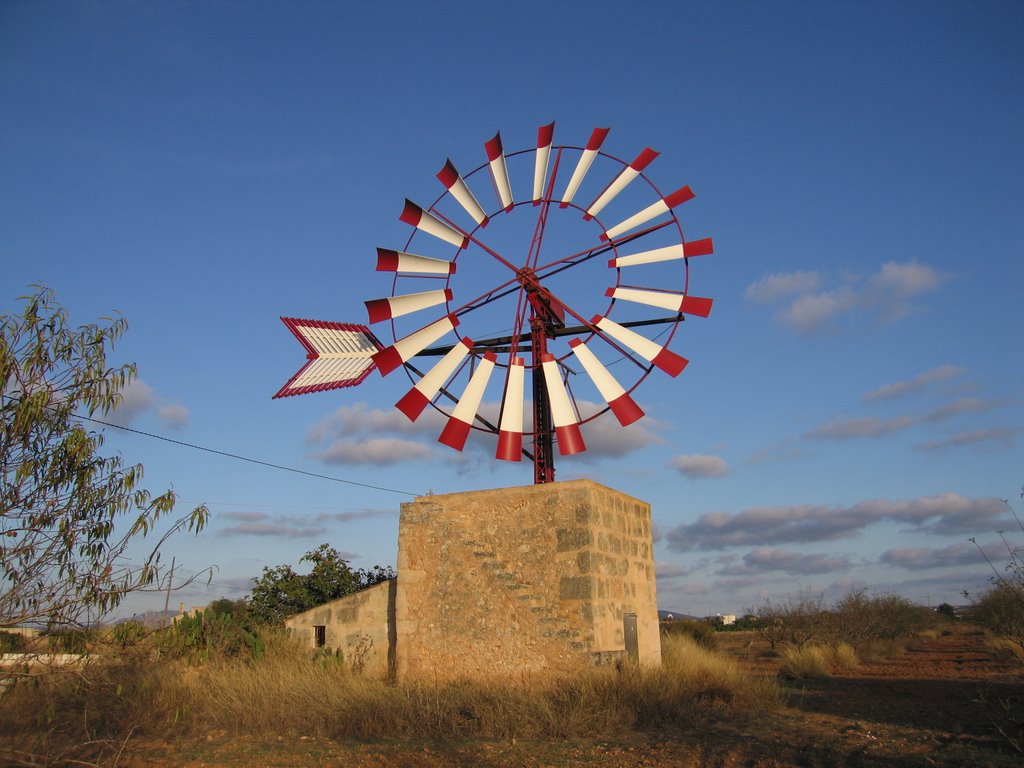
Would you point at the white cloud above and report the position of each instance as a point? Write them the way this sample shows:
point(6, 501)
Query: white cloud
point(699, 465)
point(781, 285)
point(136, 399)
point(808, 307)
point(814, 312)
point(908, 279)
point(381, 450)
point(175, 416)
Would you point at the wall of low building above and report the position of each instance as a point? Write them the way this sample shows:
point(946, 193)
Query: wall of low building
point(361, 626)
point(520, 581)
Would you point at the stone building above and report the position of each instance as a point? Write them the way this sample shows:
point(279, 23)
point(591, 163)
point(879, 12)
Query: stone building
point(540, 579)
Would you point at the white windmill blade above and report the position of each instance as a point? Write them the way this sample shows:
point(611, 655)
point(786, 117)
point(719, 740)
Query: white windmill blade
point(456, 431)
point(676, 302)
point(620, 182)
point(675, 252)
point(597, 138)
point(417, 398)
point(425, 221)
point(664, 205)
point(661, 357)
point(499, 171)
point(567, 426)
point(400, 261)
point(390, 307)
point(455, 184)
point(510, 427)
point(545, 138)
point(622, 405)
point(408, 347)
point(338, 355)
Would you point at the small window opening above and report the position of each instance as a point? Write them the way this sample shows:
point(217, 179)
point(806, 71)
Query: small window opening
point(320, 635)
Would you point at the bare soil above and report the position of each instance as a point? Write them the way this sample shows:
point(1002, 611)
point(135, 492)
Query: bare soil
point(936, 702)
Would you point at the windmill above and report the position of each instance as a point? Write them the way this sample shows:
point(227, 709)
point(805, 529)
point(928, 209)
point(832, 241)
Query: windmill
point(545, 284)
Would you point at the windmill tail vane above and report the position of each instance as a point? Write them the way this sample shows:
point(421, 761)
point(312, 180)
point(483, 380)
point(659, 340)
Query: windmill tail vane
point(451, 246)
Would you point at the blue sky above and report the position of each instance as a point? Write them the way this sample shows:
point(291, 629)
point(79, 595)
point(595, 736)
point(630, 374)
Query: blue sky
point(852, 410)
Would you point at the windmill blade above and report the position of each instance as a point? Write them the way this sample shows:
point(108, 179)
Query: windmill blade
point(459, 423)
point(701, 247)
point(455, 184)
point(425, 221)
point(406, 348)
point(510, 428)
point(396, 306)
point(400, 261)
point(545, 138)
point(499, 171)
point(567, 426)
point(677, 302)
point(589, 153)
point(339, 355)
point(664, 205)
point(417, 398)
point(663, 358)
point(622, 405)
point(620, 182)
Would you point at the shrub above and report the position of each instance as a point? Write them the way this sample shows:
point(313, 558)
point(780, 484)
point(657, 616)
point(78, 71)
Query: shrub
point(807, 663)
point(844, 657)
point(222, 629)
point(11, 642)
point(701, 632)
point(1001, 610)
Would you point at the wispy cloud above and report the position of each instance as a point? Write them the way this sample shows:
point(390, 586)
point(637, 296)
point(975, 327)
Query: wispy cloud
point(947, 513)
point(846, 429)
point(782, 285)
point(136, 399)
point(923, 558)
point(1000, 436)
point(262, 524)
point(698, 465)
point(768, 559)
point(358, 435)
point(139, 398)
point(917, 384)
point(807, 307)
point(174, 416)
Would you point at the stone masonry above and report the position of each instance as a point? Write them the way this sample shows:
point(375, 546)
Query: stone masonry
point(513, 582)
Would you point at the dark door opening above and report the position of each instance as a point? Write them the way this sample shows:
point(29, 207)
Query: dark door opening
point(630, 637)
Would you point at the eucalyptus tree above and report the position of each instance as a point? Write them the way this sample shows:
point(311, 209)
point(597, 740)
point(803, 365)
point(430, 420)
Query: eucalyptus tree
point(68, 513)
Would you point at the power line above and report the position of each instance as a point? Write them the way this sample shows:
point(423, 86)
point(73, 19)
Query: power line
point(244, 458)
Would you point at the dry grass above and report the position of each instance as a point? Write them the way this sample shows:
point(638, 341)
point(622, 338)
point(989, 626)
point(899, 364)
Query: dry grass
point(286, 693)
point(807, 663)
point(844, 658)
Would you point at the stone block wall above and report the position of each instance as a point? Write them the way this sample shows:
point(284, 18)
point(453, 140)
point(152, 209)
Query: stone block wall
point(520, 581)
point(361, 626)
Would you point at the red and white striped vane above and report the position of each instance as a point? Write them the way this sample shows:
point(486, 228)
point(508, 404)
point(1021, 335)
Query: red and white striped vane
point(636, 232)
point(338, 354)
